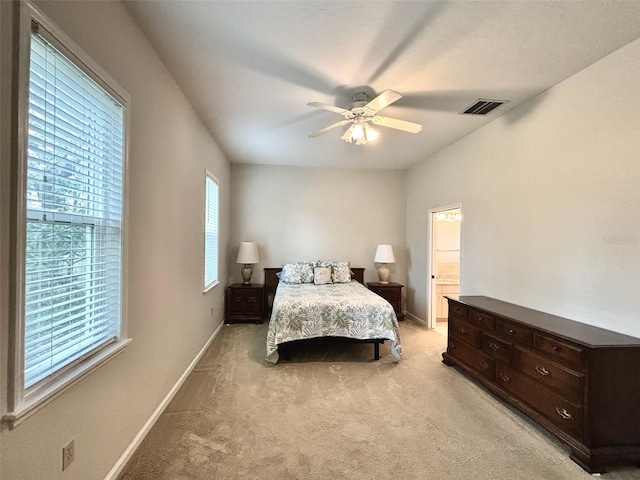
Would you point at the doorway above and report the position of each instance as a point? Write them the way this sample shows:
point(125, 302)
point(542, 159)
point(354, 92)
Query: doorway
point(445, 227)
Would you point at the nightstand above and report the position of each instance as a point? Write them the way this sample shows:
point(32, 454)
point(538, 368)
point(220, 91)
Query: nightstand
point(392, 293)
point(243, 303)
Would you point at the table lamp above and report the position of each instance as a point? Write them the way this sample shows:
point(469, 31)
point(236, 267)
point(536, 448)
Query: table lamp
point(384, 255)
point(247, 255)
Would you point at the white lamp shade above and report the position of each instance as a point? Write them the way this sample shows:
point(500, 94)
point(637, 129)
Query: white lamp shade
point(384, 254)
point(247, 253)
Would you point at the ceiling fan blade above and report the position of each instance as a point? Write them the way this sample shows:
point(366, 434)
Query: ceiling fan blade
point(385, 99)
point(331, 108)
point(397, 124)
point(330, 127)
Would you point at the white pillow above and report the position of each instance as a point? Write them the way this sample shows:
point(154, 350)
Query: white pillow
point(322, 275)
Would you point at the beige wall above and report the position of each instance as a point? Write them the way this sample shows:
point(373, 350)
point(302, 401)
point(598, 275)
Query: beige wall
point(551, 196)
point(550, 202)
point(169, 317)
point(300, 213)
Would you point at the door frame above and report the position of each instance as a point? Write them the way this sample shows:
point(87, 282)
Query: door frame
point(431, 290)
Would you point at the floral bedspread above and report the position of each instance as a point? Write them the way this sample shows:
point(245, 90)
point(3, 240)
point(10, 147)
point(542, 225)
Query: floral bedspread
point(302, 311)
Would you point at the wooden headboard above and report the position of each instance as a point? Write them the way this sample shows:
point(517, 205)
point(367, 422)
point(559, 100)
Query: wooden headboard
point(271, 283)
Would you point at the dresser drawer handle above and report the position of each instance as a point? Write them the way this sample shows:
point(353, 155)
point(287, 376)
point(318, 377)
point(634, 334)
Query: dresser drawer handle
point(494, 346)
point(462, 331)
point(452, 345)
point(512, 331)
point(481, 320)
point(543, 371)
point(484, 365)
point(556, 348)
point(563, 413)
point(504, 377)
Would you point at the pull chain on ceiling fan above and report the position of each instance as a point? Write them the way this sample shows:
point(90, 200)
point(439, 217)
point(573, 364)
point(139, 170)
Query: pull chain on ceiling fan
point(362, 113)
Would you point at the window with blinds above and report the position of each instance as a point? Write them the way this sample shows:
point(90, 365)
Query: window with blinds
point(74, 214)
point(210, 232)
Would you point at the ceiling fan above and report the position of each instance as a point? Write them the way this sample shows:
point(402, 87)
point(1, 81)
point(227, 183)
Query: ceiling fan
point(362, 113)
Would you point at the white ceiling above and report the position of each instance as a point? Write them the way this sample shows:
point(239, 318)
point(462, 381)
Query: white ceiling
point(250, 67)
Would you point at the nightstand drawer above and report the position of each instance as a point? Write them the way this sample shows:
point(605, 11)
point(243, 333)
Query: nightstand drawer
point(245, 295)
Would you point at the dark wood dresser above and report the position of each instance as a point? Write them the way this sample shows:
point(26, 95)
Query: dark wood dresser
point(579, 382)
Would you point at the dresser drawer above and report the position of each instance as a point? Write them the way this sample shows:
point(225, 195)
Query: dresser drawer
point(465, 331)
point(519, 333)
point(563, 352)
point(562, 413)
point(564, 382)
point(458, 310)
point(495, 347)
point(481, 319)
point(474, 358)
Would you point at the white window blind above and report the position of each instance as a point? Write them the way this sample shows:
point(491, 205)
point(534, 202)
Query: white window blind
point(210, 232)
point(74, 205)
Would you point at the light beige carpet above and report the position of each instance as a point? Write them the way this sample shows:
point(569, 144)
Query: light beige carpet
point(333, 413)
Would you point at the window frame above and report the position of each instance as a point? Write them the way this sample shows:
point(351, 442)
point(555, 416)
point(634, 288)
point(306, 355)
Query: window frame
point(23, 402)
point(216, 281)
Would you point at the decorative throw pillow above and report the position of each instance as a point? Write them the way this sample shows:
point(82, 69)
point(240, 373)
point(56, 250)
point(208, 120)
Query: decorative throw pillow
point(307, 269)
point(341, 273)
point(298, 272)
point(322, 275)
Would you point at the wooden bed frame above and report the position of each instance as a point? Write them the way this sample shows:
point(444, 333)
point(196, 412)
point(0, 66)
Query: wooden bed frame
point(271, 281)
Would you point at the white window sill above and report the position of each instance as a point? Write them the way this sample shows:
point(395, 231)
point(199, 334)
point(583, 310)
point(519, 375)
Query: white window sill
point(63, 383)
point(210, 287)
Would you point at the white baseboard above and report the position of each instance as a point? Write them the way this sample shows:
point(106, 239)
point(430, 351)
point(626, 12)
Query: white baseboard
point(122, 461)
point(415, 319)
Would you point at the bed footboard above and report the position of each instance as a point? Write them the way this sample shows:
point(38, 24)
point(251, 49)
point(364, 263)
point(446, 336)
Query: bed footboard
point(284, 349)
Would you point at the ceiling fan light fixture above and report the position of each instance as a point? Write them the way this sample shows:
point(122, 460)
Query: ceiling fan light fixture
point(357, 132)
point(361, 134)
point(361, 113)
point(348, 135)
point(370, 133)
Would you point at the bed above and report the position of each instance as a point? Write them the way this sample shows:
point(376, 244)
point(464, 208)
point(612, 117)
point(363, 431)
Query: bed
point(303, 311)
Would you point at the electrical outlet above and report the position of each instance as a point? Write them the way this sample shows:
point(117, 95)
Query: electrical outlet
point(68, 452)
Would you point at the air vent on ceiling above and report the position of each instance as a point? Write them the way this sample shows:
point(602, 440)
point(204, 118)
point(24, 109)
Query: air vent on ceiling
point(482, 107)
